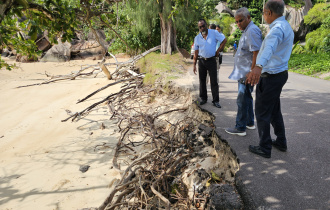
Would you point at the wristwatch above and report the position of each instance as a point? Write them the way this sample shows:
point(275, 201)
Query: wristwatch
point(260, 66)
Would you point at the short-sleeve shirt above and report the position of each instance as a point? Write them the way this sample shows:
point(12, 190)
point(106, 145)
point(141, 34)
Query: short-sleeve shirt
point(276, 49)
point(249, 42)
point(206, 47)
point(218, 45)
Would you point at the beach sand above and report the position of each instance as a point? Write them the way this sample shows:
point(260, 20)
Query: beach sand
point(40, 156)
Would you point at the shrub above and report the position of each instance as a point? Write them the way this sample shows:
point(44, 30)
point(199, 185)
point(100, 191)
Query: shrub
point(317, 14)
point(310, 64)
point(318, 40)
point(299, 49)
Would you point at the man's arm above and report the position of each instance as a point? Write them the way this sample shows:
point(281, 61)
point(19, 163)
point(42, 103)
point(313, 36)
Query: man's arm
point(254, 58)
point(271, 42)
point(253, 65)
point(221, 47)
point(195, 60)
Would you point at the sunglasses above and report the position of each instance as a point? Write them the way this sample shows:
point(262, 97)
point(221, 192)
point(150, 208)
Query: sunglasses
point(202, 26)
point(239, 21)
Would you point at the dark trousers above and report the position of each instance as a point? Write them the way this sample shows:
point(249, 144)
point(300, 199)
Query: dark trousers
point(268, 110)
point(209, 66)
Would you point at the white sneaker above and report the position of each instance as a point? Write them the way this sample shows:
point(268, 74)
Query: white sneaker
point(251, 127)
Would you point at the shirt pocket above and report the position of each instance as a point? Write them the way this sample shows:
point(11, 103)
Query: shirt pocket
point(244, 45)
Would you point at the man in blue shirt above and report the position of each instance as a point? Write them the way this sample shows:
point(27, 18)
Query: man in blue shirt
point(235, 48)
point(204, 44)
point(270, 74)
point(219, 29)
point(245, 60)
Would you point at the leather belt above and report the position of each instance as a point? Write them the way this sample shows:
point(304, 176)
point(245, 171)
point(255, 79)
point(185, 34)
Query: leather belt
point(206, 59)
point(272, 75)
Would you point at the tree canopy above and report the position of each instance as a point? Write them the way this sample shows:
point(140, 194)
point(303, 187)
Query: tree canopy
point(132, 25)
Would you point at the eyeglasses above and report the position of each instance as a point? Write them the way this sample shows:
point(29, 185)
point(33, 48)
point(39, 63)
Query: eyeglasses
point(239, 21)
point(202, 26)
point(265, 12)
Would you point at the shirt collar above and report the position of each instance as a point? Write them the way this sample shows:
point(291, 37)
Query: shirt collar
point(251, 22)
point(200, 33)
point(276, 20)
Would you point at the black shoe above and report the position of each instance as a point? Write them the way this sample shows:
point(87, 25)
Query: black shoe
point(202, 102)
point(216, 104)
point(257, 150)
point(277, 146)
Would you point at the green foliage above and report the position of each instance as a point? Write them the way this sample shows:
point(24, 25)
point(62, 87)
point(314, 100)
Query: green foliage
point(136, 40)
point(318, 40)
point(317, 14)
point(144, 18)
point(310, 64)
point(319, 1)
point(236, 4)
point(5, 65)
point(206, 8)
point(226, 23)
point(254, 6)
point(298, 49)
point(295, 3)
point(234, 37)
point(22, 23)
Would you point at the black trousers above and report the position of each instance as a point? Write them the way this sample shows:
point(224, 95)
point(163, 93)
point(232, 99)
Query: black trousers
point(268, 110)
point(204, 67)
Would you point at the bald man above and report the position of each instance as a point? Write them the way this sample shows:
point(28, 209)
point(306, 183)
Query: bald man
point(270, 75)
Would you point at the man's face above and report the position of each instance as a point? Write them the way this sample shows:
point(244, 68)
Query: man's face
point(202, 26)
point(242, 22)
point(267, 14)
point(218, 29)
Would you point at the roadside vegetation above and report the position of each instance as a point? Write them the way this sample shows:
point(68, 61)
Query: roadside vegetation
point(310, 64)
point(313, 58)
point(161, 68)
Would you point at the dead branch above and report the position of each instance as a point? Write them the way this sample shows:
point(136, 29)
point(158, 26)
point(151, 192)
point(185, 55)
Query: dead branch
point(103, 88)
point(124, 180)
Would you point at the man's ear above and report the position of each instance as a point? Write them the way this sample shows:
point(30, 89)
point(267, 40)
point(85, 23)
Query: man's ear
point(270, 13)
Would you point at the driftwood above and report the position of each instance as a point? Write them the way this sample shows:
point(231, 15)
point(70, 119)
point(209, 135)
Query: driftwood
point(147, 177)
point(167, 144)
point(96, 69)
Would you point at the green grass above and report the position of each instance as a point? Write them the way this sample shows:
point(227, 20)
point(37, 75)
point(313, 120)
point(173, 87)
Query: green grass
point(159, 67)
point(310, 64)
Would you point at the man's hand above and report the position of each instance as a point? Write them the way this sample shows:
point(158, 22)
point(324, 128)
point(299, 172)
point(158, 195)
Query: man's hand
point(195, 71)
point(195, 60)
point(253, 77)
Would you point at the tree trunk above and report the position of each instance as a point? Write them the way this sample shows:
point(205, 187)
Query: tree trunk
point(168, 35)
point(5, 5)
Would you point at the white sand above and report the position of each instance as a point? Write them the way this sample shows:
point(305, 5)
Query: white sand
point(40, 156)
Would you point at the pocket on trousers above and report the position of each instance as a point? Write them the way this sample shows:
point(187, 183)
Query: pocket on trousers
point(260, 86)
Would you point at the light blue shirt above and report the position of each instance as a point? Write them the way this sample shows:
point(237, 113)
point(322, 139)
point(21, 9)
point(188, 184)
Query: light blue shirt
point(276, 49)
point(249, 42)
point(206, 47)
point(218, 44)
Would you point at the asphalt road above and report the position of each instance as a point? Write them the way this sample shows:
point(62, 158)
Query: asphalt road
point(296, 179)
